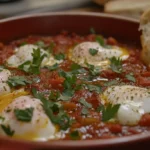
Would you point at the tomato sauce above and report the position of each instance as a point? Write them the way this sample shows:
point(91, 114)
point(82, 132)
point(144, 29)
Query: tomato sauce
point(90, 126)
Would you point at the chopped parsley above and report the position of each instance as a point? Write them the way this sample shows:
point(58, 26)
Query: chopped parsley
point(85, 103)
point(109, 111)
point(70, 79)
point(93, 51)
point(52, 68)
point(94, 71)
point(130, 77)
point(116, 64)
point(100, 40)
point(1, 68)
point(50, 48)
point(84, 111)
point(61, 118)
point(18, 80)
point(74, 135)
point(60, 56)
point(110, 83)
point(7, 130)
point(75, 67)
point(54, 95)
point(24, 114)
point(95, 88)
point(2, 118)
point(34, 66)
point(40, 44)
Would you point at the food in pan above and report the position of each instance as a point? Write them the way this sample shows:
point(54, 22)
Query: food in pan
point(73, 87)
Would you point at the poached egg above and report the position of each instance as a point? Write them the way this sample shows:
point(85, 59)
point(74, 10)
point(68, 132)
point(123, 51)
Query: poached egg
point(40, 128)
point(24, 53)
point(134, 102)
point(80, 54)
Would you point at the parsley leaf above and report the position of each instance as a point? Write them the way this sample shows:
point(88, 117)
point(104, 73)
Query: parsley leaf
point(24, 114)
point(130, 77)
point(75, 67)
point(23, 43)
point(34, 66)
point(2, 118)
point(18, 80)
point(109, 112)
point(60, 56)
point(100, 40)
point(25, 66)
point(85, 103)
point(50, 48)
point(84, 111)
point(95, 88)
point(1, 68)
point(70, 79)
point(37, 60)
point(40, 44)
point(52, 68)
point(54, 95)
point(94, 71)
point(74, 135)
point(116, 64)
point(62, 119)
point(93, 51)
point(66, 95)
point(110, 83)
point(7, 130)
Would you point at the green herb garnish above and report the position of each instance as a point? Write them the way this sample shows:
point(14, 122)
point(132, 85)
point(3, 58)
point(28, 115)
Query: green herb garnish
point(62, 119)
point(52, 68)
point(60, 56)
point(24, 114)
point(84, 111)
point(94, 71)
point(7, 130)
point(74, 135)
point(18, 80)
point(54, 95)
point(95, 88)
point(116, 64)
point(85, 103)
point(93, 51)
point(75, 67)
point(130, 77)
point(100, 40)
point(40, 44)
point(2, 118)
point(109, 111)
point(110, 83)
point(34, 66)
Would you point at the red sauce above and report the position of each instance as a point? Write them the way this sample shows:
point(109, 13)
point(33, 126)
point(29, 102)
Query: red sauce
point(90, 126)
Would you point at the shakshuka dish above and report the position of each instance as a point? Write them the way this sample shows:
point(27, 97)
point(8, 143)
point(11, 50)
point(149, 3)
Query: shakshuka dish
point(73, 87)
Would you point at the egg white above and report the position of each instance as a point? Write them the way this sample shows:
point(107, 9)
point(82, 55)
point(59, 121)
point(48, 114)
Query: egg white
point(134, 102)
point(80, 54)
point(40, 128)
point(4, 87)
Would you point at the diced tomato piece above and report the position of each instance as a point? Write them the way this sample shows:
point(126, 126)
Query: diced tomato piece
point(146, 74)
point(108, 74)
point(143, 81)
point(112, 41)
point(115, 128)
point(57, 83)
point(145, 120)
